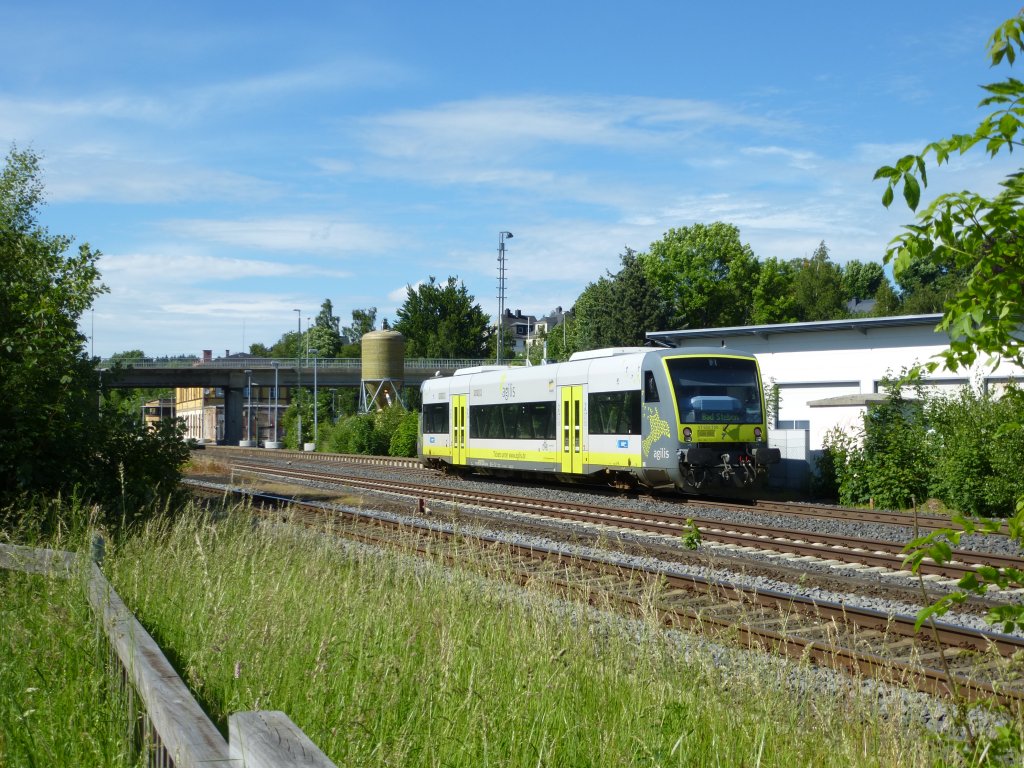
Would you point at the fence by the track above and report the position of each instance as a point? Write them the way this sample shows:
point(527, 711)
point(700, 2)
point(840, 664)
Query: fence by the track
point(163, 720)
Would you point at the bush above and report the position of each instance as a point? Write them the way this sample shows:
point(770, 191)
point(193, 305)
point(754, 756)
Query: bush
point(843, 458)
point(388, 432)
point(403, 439)
point(979, 441)
point(887, 462)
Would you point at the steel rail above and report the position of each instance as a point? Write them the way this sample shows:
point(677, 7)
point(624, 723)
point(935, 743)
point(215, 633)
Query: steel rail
point(867, 552)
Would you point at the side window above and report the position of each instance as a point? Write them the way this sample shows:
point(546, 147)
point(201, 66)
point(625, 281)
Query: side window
point(650, 387)
point(614, 413)
point(435, 418)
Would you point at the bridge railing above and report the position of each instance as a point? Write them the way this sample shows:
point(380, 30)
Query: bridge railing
point(255, 364)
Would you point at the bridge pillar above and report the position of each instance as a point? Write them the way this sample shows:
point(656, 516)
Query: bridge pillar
point(234, 401)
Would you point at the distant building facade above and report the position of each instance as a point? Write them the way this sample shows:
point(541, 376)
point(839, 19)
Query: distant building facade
point(202, 408)
point(524, 331)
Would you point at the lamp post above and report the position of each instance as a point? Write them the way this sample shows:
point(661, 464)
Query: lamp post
point(316, 421)
point(501, 294)
point(276, 393)
point(298, 373)
point(248, 412)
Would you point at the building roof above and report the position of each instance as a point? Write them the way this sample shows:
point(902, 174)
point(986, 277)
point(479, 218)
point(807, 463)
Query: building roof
point(861, 324)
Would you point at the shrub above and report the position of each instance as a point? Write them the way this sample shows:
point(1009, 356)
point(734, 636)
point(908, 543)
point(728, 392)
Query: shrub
point(896, 461)
point(978, 442)
point(887, 461)
point(403, 439)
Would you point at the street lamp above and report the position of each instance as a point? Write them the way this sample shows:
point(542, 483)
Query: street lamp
point(248, 414)
point(276, 393)
point(316, 421)
point(298, 372)
point(501, 293)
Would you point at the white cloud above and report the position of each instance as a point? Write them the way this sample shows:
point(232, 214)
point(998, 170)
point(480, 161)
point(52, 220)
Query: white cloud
point(305, 234)
point(399, 295)
point(801, 159)
point(181, 268)
point(494, 128)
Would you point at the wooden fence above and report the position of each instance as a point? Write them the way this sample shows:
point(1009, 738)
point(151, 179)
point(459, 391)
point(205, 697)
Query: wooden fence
point(163, 718)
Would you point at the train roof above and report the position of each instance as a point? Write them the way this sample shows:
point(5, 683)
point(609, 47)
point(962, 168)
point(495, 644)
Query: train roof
point(608, 352)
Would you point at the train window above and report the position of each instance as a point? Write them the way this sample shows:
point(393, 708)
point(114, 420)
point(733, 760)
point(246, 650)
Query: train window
point(650, 387)
point(435, 419)
point(716, 389)
point(614, 413)
point(513, 421)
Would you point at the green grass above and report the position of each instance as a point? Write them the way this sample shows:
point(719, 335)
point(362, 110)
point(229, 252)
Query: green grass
point(54, 706)
point(383, 659)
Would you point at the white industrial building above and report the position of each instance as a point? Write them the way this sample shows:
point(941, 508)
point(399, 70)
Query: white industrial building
point(828, 372)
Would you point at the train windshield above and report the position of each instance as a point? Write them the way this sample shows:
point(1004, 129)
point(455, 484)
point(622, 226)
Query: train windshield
point(716, 390)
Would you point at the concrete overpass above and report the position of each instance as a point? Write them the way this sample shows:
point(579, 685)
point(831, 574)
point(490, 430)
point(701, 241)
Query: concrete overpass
point(229, 375)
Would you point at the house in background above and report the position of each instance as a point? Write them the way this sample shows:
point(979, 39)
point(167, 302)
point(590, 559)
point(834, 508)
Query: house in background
point(518, 329)
point(524, 331)
point(155, 411)
point(202, 408)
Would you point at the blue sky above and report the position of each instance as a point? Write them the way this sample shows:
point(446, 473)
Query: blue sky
point(236, 161)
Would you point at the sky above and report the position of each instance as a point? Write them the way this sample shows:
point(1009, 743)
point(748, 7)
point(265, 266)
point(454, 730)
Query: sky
point(235, 162)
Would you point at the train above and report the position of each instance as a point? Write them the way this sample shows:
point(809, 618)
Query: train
point(689, 420)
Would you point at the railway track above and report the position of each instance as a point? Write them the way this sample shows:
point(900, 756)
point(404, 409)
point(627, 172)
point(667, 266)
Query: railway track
point(926, 522)
point(971, 663)
point(803, 510)
point(794, 545)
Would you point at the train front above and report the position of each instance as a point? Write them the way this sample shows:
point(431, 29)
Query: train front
point(721, 420)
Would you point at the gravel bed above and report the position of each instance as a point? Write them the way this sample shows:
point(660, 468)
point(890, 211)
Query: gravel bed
point(706, 570)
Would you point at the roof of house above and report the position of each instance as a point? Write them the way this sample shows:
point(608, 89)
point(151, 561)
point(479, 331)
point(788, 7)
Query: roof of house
point(861, 324)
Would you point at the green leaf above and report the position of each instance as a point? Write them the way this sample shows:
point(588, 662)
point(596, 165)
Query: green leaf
point(911, 192)
point(887, 196)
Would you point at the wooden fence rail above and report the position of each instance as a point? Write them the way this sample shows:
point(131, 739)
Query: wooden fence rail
point(174, 729)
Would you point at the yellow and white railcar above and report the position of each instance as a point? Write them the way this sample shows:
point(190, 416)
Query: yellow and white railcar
point(660, 418)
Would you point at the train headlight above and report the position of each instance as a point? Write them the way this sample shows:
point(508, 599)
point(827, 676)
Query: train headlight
point(687, 434)
point(757, 433)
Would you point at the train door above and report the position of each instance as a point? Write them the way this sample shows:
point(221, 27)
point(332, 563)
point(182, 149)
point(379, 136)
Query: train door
point(572, 429)
point(458, 429)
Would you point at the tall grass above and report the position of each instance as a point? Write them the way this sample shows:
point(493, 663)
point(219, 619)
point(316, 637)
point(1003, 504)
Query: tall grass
point(383, 659)
point(55, 706)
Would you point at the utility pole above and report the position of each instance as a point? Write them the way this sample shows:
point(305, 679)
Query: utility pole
point(501, 295)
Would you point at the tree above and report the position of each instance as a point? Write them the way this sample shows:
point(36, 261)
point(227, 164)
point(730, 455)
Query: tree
point(887, 302)
point(966, 232)
point(593, 328)
point(706, 273)
point(773, 295)
point(363, 322)
point(981, 238)
point(46, 381)
point(443, 321)
point(817, 287)
point(925, 287)
point(861, 280)
point(323, 335)
point(54, 437)
point(618, 310)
